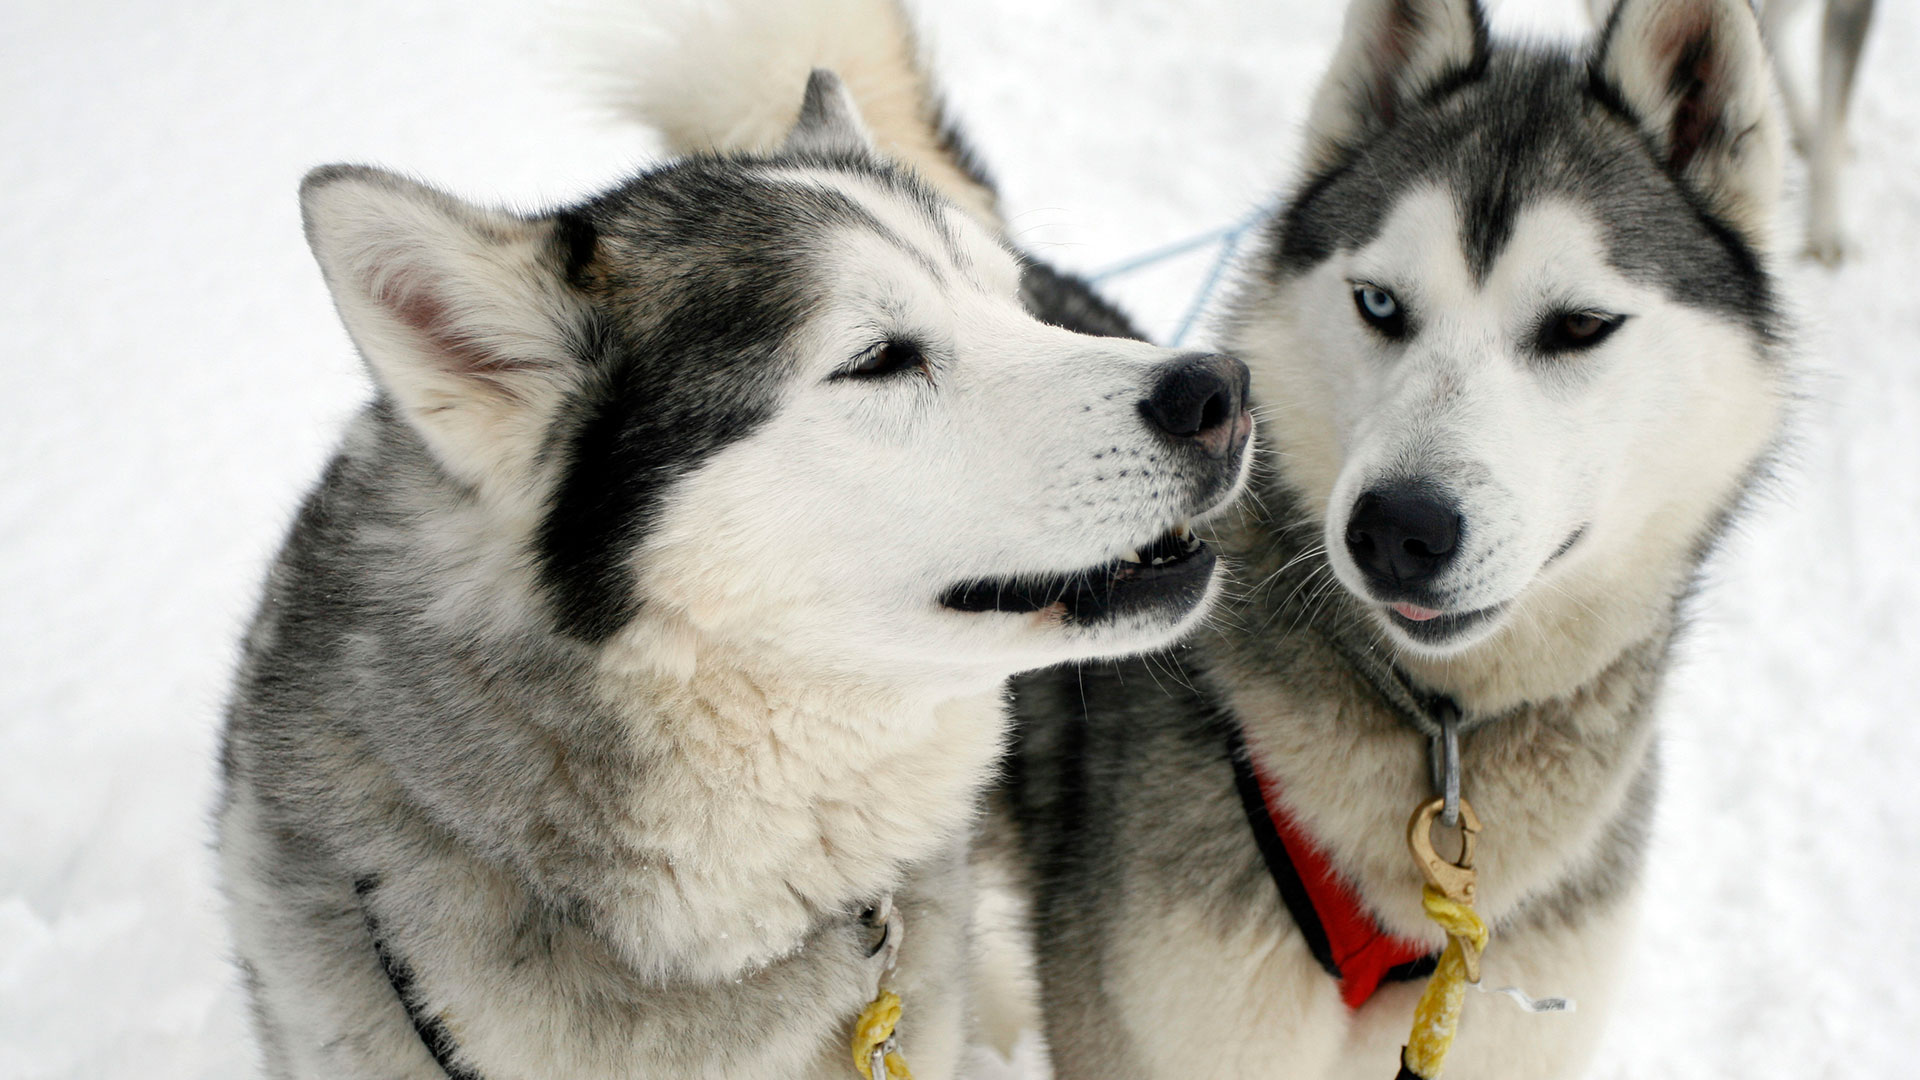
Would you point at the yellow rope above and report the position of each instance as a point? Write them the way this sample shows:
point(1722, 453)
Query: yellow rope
point(874, 1027)
point(1437, 1016)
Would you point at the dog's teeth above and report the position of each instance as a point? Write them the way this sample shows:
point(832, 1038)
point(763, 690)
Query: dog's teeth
point(1130, 555)
point(1183, 531)
point(1157, 562)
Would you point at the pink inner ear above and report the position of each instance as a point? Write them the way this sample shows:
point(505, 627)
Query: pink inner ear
point(1392, 53)
point(1686, 50)
point(418, 306)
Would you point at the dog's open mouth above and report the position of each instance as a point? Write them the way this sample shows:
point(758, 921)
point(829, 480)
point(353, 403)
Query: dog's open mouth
point(1170, 574)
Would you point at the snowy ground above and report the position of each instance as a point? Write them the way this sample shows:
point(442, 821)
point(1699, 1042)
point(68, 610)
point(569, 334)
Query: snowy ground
point(174, 377)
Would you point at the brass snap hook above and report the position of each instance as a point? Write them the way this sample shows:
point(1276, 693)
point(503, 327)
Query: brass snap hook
point(1452, 879)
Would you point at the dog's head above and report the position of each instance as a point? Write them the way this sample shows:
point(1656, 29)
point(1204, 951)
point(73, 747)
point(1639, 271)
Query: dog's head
point(791, 402)
point(1516, 322)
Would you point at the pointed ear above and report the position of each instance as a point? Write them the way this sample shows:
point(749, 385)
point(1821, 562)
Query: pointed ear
point(829, 120)
point(1391, 52)
point(1694, 75)
point(464, 315)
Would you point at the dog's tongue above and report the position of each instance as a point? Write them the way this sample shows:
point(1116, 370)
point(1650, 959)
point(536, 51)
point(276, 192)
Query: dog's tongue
point(1415, 612)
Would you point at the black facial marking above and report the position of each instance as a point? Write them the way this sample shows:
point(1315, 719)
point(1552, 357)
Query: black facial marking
point(577, 239)
point(698, 274)
point(666, 403)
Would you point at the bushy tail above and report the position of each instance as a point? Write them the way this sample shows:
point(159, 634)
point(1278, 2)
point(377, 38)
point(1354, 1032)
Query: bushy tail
point(728, 75)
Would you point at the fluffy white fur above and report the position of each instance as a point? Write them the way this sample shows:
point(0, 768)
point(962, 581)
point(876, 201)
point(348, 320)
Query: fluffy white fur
point(726, 74)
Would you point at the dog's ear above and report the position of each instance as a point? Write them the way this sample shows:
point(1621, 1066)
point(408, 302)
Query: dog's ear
point(463, 314)
point(829, 121)
point(1390, 52)
point(1694, 75)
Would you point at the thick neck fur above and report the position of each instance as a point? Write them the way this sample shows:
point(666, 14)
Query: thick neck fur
point(706, 808)
point(839, 785)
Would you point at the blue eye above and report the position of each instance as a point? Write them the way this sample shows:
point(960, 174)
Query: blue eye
point(1380, 310)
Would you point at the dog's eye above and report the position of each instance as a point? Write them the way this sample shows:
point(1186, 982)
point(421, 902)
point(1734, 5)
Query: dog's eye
point(1573, 331)
point(1380, 310)
point(891, 357)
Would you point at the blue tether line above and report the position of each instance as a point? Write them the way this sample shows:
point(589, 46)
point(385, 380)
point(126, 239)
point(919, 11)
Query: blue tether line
point(1228, 238)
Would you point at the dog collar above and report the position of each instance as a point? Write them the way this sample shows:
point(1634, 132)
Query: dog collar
point(1340, 931)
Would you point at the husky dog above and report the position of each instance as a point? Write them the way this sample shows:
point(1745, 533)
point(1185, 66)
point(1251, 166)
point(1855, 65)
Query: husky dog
point(1819, 133)
point(645, 643)
point(1521, 341)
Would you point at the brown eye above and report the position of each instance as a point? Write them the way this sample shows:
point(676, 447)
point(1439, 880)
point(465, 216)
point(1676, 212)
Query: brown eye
point(1572, 331)
point(891, 357)
point(1582, 325)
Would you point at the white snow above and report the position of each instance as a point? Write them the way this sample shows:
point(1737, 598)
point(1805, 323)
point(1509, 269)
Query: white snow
point(174, 377)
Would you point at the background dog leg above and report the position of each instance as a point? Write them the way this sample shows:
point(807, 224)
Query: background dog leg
point(1843, 33)
point(1774, 22)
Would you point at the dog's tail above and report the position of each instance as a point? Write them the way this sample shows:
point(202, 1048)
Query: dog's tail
point(728, 75)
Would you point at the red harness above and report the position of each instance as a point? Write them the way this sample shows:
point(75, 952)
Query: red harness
point(1343, 935)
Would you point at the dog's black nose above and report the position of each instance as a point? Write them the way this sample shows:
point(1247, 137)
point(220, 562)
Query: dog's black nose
point(1203, 398)
point(1403, 533)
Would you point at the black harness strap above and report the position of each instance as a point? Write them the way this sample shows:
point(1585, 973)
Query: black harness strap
point(1419, 711)
point(1286, 877)
point(434, 1034)
point(1280, 866)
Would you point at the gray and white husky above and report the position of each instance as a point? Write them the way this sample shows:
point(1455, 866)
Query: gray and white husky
point(646, 640)
point(1520, 344)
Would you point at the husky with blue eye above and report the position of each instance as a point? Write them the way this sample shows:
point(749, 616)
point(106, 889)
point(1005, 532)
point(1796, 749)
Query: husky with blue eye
point(1520, 342)
point(642, 653)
